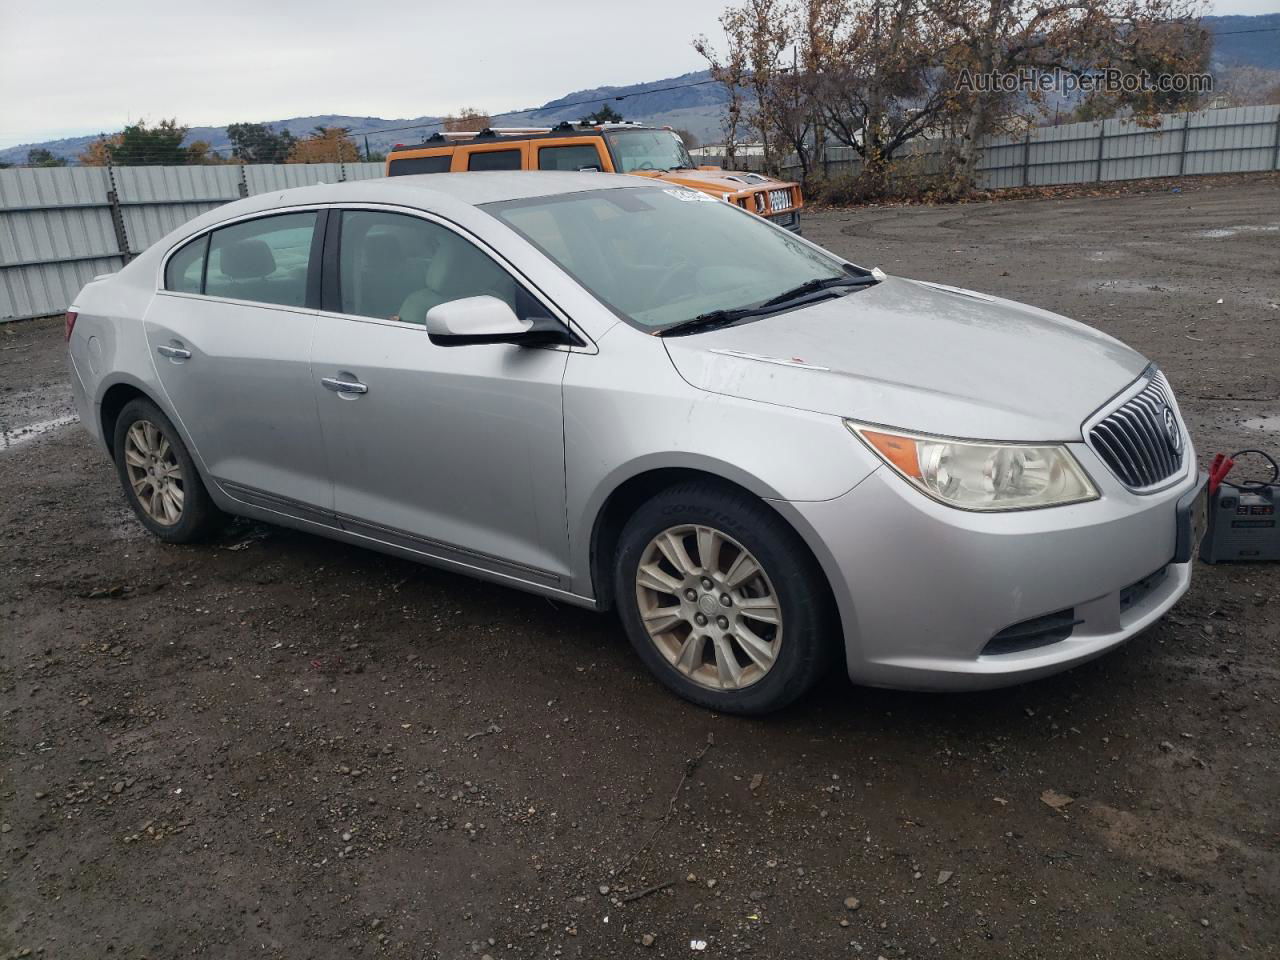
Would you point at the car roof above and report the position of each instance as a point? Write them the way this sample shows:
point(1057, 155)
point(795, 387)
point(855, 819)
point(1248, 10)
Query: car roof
point(453, 195)
point(490, 186)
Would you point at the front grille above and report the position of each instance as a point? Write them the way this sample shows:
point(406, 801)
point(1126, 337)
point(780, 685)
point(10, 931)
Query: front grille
point(1141, 440)
point(779, 200)
point(784, 219)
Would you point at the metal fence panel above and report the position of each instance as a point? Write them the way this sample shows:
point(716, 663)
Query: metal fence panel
point(364, 171)
point(266, 177)
point(41, 289)
point(55, 234)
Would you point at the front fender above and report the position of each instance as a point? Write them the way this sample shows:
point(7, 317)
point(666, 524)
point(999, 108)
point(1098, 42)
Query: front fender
point(627, 413)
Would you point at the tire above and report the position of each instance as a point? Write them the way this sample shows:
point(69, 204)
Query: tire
point(777, 662)
point(154, 464)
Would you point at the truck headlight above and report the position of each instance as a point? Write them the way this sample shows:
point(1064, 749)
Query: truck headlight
point(982, 476)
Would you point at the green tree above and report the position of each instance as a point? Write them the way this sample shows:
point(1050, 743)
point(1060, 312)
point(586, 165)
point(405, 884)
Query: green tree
point(258, 143)
point(40, 157)
point(141, 145)
point(605, 114)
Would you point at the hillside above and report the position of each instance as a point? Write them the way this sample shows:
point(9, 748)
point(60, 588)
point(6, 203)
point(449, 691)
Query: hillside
point(693, 108)
point(1258, 48)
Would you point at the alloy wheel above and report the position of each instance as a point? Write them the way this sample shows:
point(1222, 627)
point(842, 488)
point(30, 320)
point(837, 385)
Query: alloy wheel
point(154, 472)
point(709, 607)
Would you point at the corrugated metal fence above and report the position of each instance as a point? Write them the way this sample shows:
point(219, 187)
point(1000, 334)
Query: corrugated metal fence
point(1232, 140)
point(61, 226)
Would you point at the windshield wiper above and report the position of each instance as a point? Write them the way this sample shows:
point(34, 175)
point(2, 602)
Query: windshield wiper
point(816, 284)
point(806, 291)
point(706, 321)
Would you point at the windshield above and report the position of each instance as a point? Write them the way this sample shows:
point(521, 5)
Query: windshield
point(660, 256)
point(647, 150)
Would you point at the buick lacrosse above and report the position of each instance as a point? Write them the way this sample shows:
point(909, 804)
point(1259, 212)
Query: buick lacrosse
point(634, 397)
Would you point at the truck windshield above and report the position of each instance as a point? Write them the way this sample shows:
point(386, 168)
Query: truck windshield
point(660, 256)
point(647, 150)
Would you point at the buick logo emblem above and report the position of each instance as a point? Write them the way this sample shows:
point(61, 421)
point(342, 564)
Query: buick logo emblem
point(1171, 432)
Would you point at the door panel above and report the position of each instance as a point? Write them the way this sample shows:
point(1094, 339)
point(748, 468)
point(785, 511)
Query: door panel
point(457, 452)
point(245, 394)
point(454, 451)
point(238, 373)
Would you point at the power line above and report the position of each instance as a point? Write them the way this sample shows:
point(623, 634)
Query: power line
point(1236, 33)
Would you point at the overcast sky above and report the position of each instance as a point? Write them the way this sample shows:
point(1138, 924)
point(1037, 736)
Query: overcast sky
point(73, 67)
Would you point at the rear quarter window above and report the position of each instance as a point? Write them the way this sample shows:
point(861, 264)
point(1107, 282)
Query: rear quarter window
point(408, 166)
point(185, 270)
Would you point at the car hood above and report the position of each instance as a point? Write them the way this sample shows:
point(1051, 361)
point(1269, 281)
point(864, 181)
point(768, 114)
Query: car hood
point(730, 181)
point(920, 357)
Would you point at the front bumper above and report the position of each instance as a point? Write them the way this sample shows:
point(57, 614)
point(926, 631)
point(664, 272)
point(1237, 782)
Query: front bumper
point(923, 588)
point(790, 220)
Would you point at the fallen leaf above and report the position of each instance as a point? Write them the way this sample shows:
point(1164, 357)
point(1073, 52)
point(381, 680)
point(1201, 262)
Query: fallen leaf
point(1055, 799)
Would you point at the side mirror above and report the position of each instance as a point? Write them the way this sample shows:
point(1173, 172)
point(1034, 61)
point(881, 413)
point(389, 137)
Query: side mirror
point(486, 319)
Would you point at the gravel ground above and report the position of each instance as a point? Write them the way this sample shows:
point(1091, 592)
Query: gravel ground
point(281, 746)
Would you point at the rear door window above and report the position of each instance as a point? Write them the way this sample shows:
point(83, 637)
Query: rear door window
point(579, 156)
point(494, 160)
point(411, 165)
point(262, 260)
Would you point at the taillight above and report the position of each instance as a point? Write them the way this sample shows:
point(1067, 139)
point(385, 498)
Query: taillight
point(71, 323)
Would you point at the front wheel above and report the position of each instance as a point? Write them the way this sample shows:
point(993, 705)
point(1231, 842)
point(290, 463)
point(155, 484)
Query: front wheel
point(159, 476)
point(722, 601)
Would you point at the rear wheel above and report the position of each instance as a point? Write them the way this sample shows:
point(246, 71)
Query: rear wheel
point(722, 600)
point(159, 477)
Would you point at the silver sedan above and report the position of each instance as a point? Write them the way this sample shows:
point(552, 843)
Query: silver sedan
point(628, 396)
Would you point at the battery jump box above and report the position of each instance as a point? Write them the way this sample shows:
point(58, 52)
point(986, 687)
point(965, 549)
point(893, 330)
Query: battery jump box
point(1242, 516)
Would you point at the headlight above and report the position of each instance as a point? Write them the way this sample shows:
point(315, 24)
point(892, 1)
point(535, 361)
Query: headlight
point(982, 476)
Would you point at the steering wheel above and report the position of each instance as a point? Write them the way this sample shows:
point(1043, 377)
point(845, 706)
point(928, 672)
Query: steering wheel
point(645, 165)
point(679, 272)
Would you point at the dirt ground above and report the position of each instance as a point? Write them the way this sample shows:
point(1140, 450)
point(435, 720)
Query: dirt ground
point(280, 746)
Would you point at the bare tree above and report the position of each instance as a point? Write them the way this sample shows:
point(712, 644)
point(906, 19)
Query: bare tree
point(468, 118)
point(883, 82)
point(730, 69)
point(1004, 37)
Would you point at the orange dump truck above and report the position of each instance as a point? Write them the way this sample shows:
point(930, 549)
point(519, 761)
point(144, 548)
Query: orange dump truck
point(607, 147)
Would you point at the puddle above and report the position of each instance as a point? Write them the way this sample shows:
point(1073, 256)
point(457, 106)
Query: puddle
point(21, 435)
point(1270, 423)
point(1126, 286)
point(1221, 233)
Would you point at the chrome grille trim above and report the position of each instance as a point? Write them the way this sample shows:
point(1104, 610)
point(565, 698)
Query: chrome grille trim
point(779, 200)
point(1131, 437)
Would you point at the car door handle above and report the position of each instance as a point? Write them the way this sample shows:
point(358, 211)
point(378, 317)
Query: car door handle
point(343, 386)
point(173, 353)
